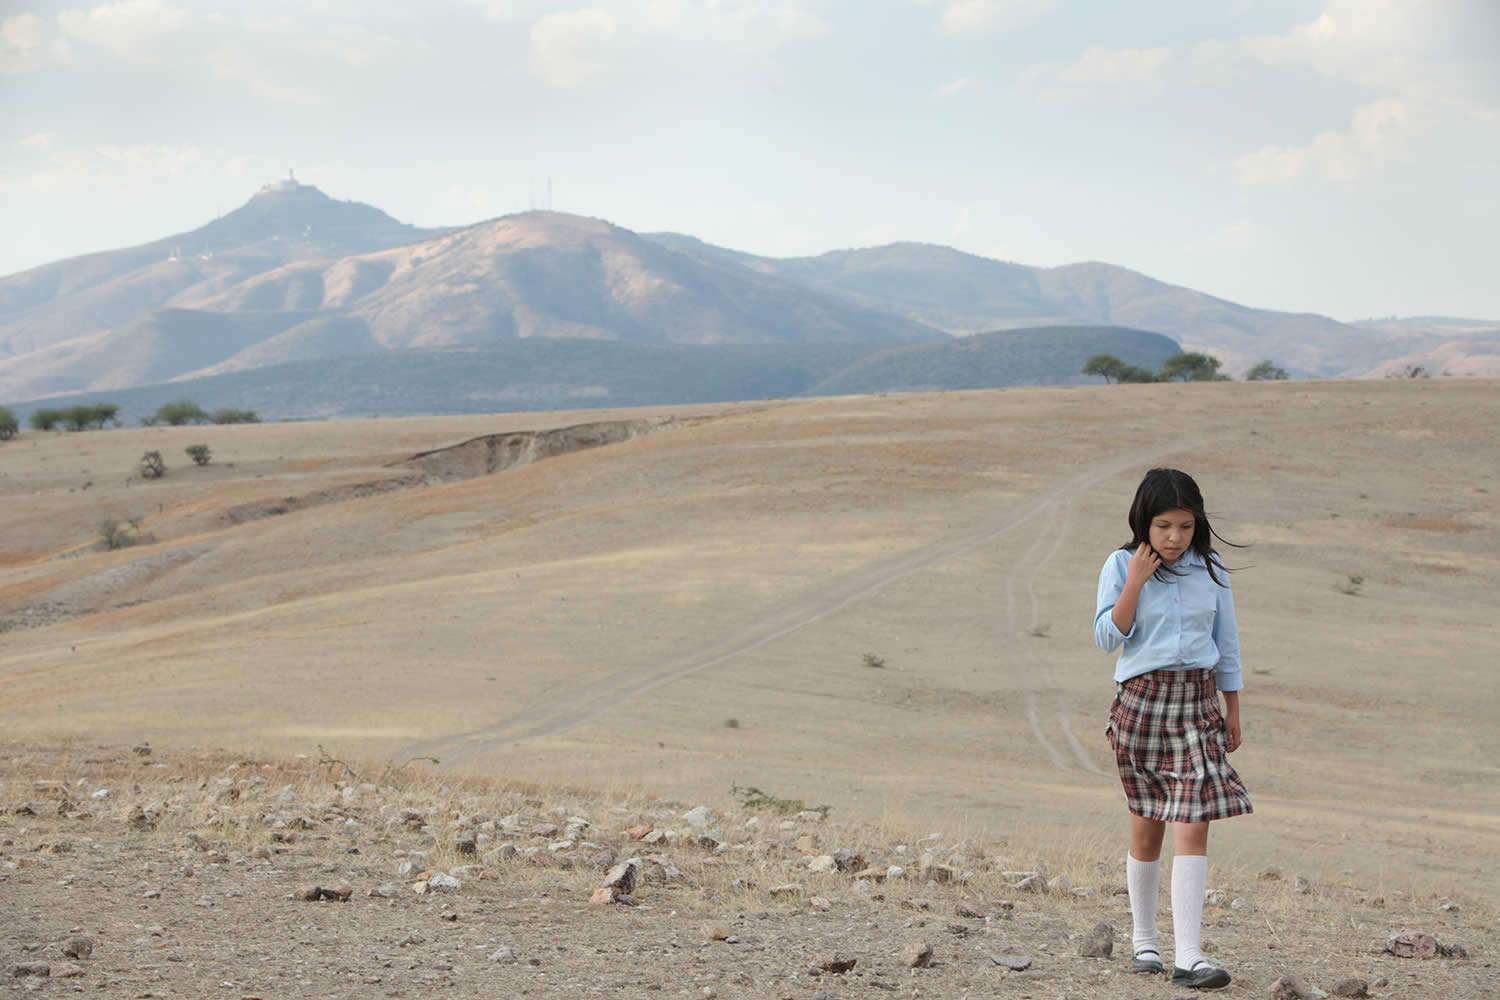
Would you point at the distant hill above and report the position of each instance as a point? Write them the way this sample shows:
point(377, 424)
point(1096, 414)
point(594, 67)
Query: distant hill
point(963, 293)
point(1036, 356)
point(281, 223)
point(553, 374)
point(295, 276)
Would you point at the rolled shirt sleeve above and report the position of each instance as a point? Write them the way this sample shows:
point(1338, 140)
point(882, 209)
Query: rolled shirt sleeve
point(1107, 635)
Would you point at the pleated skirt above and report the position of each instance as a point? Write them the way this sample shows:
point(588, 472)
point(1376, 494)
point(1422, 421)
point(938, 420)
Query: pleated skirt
point(1167, 732)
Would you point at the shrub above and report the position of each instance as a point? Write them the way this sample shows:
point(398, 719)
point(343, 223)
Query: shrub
point(871, 660)
point(235, 417)
point(1265, 371)
point(153, 466)
point(9, 428)
point(184, 411)
point(1135, 373)
point(198, 453)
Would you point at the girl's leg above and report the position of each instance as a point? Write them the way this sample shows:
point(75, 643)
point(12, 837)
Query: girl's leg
point(1189, 879)
point(1143, 879)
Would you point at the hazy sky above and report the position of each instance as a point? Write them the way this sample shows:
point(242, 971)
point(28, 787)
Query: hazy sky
point(1333, 156)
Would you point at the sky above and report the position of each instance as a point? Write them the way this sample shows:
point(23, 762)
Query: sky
point(1331, 156)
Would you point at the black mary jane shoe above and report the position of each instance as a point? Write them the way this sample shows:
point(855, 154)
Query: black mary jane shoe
point(1202, 976)
point(1152, 966)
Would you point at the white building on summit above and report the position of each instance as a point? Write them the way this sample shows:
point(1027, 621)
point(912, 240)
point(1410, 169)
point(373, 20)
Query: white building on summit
point(290, 184)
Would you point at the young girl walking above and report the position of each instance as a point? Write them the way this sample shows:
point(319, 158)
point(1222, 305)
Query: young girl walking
point(1165, 598)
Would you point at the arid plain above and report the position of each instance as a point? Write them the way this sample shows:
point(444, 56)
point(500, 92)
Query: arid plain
point(881, 604)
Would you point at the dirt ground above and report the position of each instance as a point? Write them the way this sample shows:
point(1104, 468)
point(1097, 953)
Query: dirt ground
point(187, 874)
point(881, 604)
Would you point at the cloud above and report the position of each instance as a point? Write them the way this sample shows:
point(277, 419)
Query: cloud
point(495, 10)
point(280, 58)
point(1101, 64)
point(27, 43)
point(1375, 131)
point(954, 87)
point(1245, 234)
point(579, 48)
point(574, 48)
point(972, 16)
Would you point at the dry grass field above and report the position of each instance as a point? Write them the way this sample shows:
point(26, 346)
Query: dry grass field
point(879, 604)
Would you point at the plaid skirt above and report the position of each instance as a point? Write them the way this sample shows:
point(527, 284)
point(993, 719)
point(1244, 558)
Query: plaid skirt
point(1168, 736)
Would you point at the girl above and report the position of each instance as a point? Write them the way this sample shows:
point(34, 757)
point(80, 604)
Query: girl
point(1165, 597)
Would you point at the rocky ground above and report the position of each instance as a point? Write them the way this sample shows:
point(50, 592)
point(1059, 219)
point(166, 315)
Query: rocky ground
point(141, 872)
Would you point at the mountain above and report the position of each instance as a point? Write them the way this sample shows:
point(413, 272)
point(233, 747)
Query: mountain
point(283, 222)
point(538, 274)
point(1437, 345)
point(962, 293)
point(540, 373)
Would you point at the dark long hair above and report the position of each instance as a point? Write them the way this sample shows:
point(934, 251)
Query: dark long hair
point(1172, 489)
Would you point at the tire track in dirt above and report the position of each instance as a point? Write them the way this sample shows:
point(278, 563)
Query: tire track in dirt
point(582, 707)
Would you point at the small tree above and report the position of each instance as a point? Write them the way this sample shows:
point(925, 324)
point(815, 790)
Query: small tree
point(78, 418)
point(1190, 366)
point(153, 466)
point(1105, 365)
point(46, 420)
point(105, 413)
point(9, 428)
point(198, 453)
point(184, 411)
point(1265, 371)
point(1135, 373)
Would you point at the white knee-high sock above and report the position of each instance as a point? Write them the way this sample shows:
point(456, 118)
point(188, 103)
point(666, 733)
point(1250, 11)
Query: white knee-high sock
point(1143, 879)
point(1189, 877)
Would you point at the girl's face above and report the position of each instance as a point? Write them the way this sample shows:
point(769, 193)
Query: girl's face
point(1172, 533)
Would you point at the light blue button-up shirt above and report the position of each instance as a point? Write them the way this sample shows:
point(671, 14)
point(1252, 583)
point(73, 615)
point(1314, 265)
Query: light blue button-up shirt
point(1186, 623)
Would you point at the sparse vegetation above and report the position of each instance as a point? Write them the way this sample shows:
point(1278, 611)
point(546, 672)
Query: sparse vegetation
point(329, 762)
point(199, 453)
point(1266, 371)
point(731, 723)
point(1414, 371)
point(1190, 366)
point(229, 416)
point(122, 535)
point(873, 661)
point(153, 466)
point(9, 427)
point(1040, 631)
point(753, 798)
point(1351, 586)
point(1135, 373)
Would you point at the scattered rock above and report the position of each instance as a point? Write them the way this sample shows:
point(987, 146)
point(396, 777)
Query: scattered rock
point(964, 908)
point(819, 903)
point(441, 882)
point(1412, 944)
point(699, 817)
point(387, 891)
point(1302, 885)
point(847, 860)
point(1099, 942)
point(822, 864)
point(144, 749)
point(837, 965)
point(1351, 987)
point(68, 970)
point(639, 831)
point(1449, 907)
point(714, 930)
point(790, 890)
point(603, 896)
point(21, 969)
point(1032, 883)
point(1290, 987)
point(315, 893)
point(871, 874)
point(1015, 963)
point(1270, 874)
point(504, 955)
point(78, 947)
point(622, 877)
point(916, 955)
point(466, 846)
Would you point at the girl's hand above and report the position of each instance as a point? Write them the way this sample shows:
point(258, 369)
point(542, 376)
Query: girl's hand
point(1233, 739)
point(1143, 562)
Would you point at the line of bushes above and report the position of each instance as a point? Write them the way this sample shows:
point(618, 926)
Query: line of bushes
point(1186, 366)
